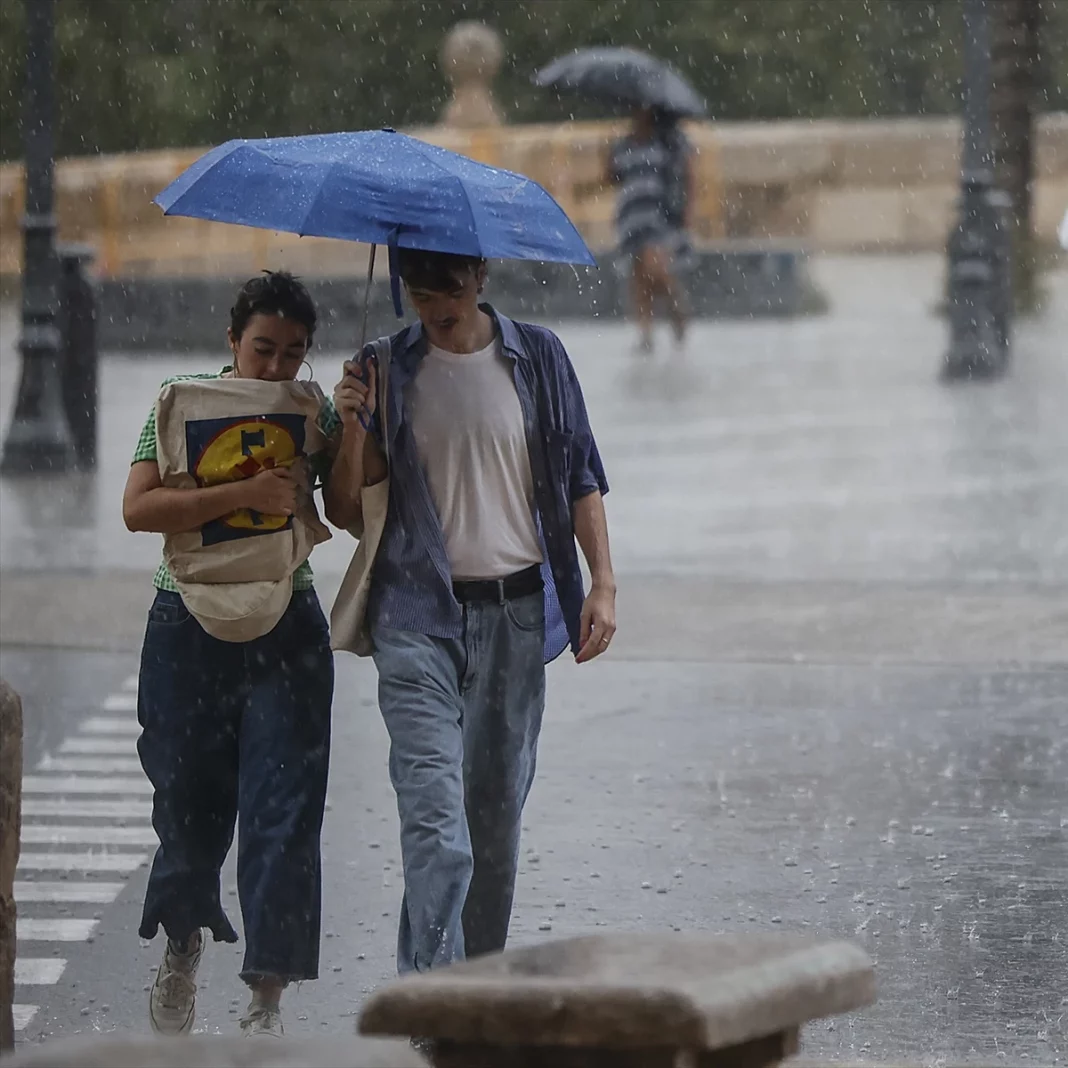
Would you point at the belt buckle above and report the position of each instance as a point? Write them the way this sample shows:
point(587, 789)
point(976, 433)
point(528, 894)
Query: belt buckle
point(500, 591)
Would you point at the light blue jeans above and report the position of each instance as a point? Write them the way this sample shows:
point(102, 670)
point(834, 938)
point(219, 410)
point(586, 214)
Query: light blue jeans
point(463, 716)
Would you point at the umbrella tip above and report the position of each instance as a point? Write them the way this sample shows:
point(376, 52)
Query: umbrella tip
point(388, 129)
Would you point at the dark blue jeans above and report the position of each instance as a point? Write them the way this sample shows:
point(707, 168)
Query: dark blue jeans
point(238, 732)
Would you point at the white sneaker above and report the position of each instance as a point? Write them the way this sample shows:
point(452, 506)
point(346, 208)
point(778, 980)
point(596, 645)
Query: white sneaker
point(172, 1003)
point(259, 1020)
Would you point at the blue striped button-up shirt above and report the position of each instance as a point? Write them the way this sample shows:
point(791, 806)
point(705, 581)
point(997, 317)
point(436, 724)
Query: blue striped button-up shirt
point(412, 585)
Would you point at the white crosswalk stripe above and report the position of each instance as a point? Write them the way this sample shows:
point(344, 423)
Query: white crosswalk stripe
point(22, 1015)
point(111, 725)
point(84, 784)
point(93, 784)
point(85, 892)
point(79, 807)
point(97, 744)
point(53, 929)
point(88, 834)
point(101, 765)
point(118, 862)
point(39, 971)
point(121, 702)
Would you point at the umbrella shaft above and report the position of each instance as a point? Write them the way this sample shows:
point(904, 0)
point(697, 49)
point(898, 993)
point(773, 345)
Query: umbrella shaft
point(367, 296)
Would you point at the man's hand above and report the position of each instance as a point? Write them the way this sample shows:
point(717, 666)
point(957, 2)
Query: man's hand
point(354, 398)
point(598, 622)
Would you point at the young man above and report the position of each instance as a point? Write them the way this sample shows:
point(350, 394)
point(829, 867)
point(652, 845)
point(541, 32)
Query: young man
point(493, 475)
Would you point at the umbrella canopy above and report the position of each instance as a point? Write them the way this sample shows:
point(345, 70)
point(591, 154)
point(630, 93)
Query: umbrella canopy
point(623, 75)
point(379, 187)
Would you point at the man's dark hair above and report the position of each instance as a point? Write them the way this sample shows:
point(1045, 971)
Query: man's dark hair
point(436, 272)
point(273, 293)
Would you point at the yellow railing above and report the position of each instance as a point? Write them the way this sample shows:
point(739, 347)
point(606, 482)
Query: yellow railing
point(887, 183)
point(107, 201)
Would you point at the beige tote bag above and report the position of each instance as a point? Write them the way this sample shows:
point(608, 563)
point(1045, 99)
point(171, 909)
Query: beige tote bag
point(349, 631)
point(235, 574)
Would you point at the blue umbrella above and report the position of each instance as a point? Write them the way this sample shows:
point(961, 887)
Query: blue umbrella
point(378, 187)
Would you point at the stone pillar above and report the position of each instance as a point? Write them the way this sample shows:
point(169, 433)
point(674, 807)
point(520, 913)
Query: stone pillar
point(10, 830)
point(471, 57)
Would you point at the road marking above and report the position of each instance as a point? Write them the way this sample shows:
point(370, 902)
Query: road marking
point(98, 744)
point(88, 834)
point(23, 1014)
point(38, 971)
point(87, 893)
point(114, 792)
point(53, 930)
point(110, 725)
point(83, 784)
point(124, 862)
point(120, 702)
point(100, 765)
point(126, 808)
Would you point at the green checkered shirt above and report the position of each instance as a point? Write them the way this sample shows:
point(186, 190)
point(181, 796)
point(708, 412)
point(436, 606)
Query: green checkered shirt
point(329, 424)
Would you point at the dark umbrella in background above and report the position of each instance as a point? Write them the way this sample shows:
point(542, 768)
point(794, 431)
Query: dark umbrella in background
point(623, 76)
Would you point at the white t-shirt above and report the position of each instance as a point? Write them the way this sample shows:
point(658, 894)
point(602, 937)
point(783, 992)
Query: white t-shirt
point(468, 427)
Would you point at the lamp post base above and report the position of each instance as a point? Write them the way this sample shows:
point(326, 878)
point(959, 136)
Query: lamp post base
point(38, 439)
point(978, 275)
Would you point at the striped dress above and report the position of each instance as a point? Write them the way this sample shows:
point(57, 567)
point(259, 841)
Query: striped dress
point(651, 176)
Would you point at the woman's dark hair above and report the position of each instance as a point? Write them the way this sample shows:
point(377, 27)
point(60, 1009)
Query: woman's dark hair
point(436, 272)
point(273, 293)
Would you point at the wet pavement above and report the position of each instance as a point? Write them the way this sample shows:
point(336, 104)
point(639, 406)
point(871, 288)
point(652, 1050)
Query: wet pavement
point(839, 701)
point(815, 449)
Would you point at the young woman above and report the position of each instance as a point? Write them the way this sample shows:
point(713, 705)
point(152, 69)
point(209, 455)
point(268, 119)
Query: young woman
point(236, 732)
point(652, 167)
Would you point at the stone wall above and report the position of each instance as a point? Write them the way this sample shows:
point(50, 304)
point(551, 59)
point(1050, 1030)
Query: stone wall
point(887, 184)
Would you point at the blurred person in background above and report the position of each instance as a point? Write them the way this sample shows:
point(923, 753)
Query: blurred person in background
point(237, 730)
point(653, 167)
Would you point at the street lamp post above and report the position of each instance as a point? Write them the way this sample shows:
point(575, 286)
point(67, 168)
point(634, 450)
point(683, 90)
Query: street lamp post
point(978, 287)
point(39, 437)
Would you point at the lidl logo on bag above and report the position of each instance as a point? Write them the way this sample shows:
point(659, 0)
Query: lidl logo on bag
point(230, 449)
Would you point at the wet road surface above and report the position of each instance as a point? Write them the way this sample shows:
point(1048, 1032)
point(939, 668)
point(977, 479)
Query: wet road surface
point(839, 702)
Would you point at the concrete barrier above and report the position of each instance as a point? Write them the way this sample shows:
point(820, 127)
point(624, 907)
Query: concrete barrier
point(215, 1051)
point(657, 1001)
point(736, 279)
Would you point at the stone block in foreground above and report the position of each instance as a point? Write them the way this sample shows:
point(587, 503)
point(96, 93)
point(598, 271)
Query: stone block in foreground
point(217, 1051)
point(628, 1000)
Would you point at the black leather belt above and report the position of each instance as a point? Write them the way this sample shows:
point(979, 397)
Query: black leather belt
point(521, 584)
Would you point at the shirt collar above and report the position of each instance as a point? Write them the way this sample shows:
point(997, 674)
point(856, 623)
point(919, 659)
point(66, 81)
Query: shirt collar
point(413, 342)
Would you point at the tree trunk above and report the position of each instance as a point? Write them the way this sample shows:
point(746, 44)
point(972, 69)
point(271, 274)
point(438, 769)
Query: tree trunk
point(1014, 62)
